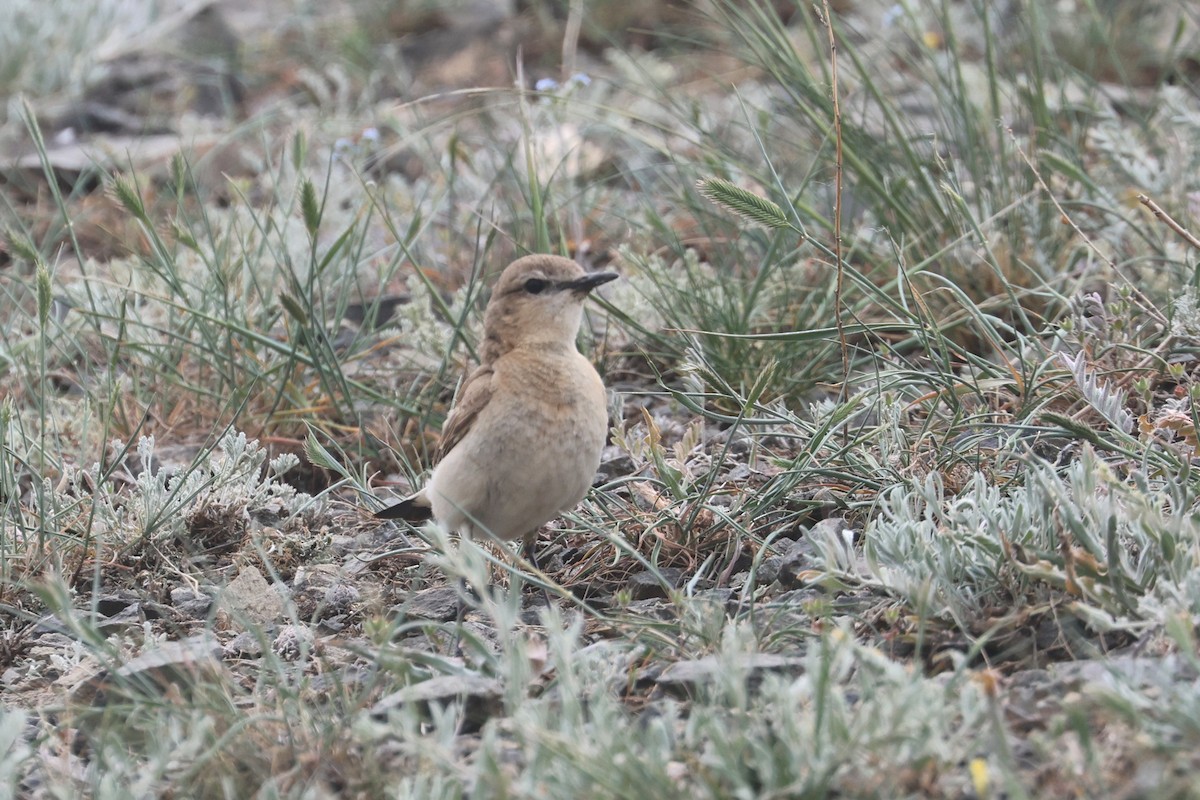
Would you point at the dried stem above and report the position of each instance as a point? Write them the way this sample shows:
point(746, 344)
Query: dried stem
point(1169, 220)
point(837, 195)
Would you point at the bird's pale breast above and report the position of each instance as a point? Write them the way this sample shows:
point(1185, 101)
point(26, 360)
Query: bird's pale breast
point(541, 437)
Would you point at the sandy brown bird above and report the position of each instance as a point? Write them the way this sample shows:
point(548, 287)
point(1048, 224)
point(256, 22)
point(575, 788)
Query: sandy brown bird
point(522, 442)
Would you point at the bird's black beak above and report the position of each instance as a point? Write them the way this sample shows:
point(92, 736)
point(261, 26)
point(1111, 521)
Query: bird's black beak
point(588, 282)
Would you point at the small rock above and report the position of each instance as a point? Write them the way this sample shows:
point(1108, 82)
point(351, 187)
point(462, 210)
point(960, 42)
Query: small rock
point(152, 609)
point(310, 589)
point(684, 677)
point(183, 664)
point(645, 585)
point(193, 653)
point(110, 605)
point(532, 615)
point(736, 441)
point(835, 526)
point(796, 598)
point(739, 473)
point(129, 616)
point(343, 544)
point(481, 698)
point(722, 596)
point(768, 570)
point(796, 559)
point(250, 599)
point(171, 666)
point(340, 598)
point(46, 641)
point(720, 501)
point(292, 642)
point(337, 681)
point(439, 604)
point(1140, 671)
point(244, 645)
point(654, 608)
point(614, 463)
point(190, 602)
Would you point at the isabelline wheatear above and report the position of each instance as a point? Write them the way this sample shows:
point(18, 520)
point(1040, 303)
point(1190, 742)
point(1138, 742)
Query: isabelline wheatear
point(522, 442)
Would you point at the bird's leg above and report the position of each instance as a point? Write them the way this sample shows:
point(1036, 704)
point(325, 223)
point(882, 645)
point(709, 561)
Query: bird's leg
point(466, 596)
point(456, 643)
point(531, 557)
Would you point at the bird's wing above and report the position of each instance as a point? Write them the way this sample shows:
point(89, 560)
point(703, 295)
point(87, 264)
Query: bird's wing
point(475, 393)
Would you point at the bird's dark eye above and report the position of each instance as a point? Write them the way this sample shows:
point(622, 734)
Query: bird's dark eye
point(536, 285)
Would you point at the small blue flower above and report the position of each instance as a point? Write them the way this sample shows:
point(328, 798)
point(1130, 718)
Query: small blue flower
point(370, 135)
point(581, 78)
point(546, 85)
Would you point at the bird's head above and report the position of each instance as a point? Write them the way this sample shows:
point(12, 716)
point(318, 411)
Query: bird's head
point(538, 301)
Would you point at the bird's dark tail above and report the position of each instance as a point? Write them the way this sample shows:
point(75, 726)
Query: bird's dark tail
point(412, 509)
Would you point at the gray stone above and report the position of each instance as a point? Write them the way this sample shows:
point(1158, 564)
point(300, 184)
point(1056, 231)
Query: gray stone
point(110, 605)
point(183, 664)
point(796, 558)
point(654, 608)
point(190, 602)
point(128, 617)
point(244, 645)
point(292, 642)
point(439, 604)
point(645, 585)
point(340, 598)
point(249, 599)
point(481, 698)
point(835, 526)
point(192, 653)
point(722, 596)
point(768, 570)
point(685, 677)
point(1129, 670)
